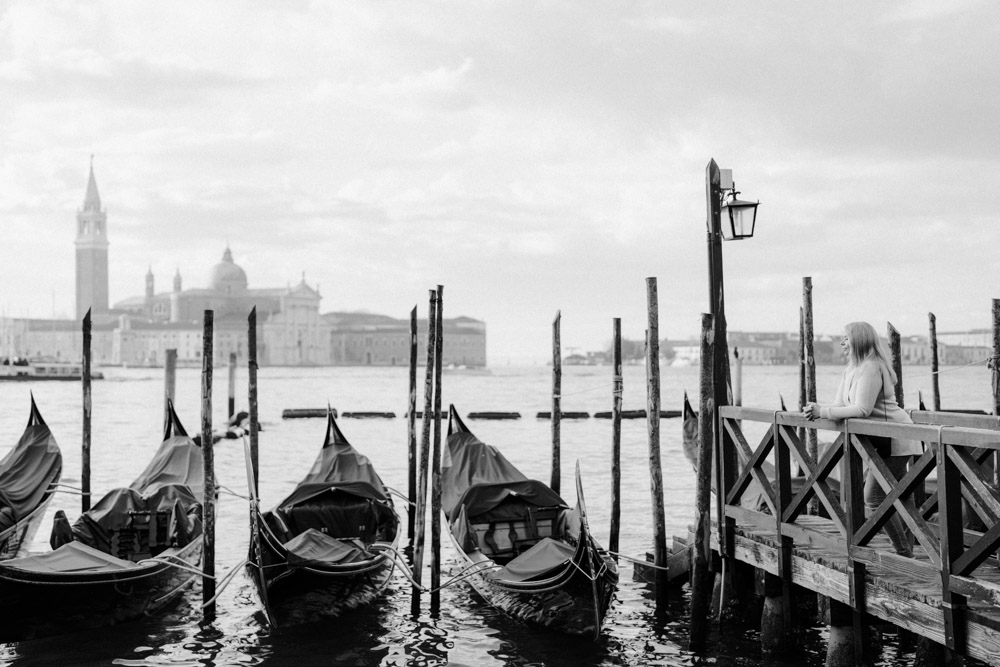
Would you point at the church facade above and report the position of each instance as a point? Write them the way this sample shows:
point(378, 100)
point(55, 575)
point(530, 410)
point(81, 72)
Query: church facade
point(139, 330)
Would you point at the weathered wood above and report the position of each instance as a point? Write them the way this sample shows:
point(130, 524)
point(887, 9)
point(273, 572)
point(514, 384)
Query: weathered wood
point(545, 414)
point(425, 444)
point(812, 444)
point(436, 454)
point(207, 451)
point(169, 380)
point(896, 354)
point(556, 473)
point(995, 366)
point(231, 405)
point(935, 384)
point(87, 408)
point(617, 388)
point(653, 433)
point(737, 378)
point(701, 577)
point(802, 368)
point(252, 399)
point(411, 428)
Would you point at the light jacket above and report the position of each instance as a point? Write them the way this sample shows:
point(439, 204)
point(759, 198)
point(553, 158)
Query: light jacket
point(866, 392)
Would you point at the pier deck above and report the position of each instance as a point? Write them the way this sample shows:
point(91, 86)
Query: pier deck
point(814, 532)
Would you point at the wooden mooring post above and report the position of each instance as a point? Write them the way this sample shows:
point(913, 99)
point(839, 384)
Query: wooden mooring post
point(87, 406)
point(411, 429)
point(812, 444)
point(617, 388)
point(556, 400)
point(995, 365)
point(701, 574)
point(935, 384)
point(425, 447)
point(208, 502)
point(653, 428)
point(252, 398)
point(896, 355)
point(436, 486)
point(169, 381)
point(231, 405)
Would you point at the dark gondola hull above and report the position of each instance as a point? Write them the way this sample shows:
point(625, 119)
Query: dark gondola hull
point(574, 604)
point(294, 597)
point(49, 604)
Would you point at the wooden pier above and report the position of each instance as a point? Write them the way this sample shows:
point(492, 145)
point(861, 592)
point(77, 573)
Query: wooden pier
point(948, 592)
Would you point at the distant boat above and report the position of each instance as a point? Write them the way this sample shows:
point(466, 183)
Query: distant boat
point(19, 369)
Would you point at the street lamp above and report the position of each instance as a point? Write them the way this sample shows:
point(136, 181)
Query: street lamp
point(741, 217)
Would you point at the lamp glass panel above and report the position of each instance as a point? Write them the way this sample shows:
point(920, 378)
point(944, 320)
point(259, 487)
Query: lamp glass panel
point(741, 220)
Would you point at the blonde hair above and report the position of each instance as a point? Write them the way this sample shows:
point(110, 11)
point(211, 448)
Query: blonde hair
point(867, 344)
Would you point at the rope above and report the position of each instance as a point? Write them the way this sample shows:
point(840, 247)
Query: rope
point(636, 560)
point(179, 566)
point(225, 581)
point(954, 368)
point(584, 391)
point(400, 495)
point(232, 493)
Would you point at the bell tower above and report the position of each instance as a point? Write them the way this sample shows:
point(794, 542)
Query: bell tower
point(91, 252)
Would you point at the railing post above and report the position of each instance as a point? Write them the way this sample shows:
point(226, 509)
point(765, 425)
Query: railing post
point(952, 545)
point(776, 621)
point(854, 484)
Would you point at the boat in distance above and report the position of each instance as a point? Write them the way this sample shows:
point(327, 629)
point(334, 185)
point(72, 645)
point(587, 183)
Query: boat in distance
point(20, 369)
point(130, 555)
point(523, 549)
point(29, 474)
point(330, 546)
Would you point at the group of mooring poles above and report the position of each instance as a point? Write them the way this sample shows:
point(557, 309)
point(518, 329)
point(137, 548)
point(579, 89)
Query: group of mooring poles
point(427, 461)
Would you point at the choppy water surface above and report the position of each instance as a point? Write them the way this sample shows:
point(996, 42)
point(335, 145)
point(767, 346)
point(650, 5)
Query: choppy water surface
point(127, 429)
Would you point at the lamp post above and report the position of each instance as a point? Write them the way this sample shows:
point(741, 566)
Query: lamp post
point(740, 217)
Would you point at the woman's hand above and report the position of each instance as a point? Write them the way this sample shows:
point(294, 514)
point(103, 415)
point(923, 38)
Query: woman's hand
point(811, 411)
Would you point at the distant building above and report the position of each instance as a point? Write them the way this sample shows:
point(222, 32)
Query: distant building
point(290, 329)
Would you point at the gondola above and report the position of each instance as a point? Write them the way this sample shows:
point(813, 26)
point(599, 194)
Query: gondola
point(330, 546)
point(29, 474)
point(130, 555)
point(522, 548)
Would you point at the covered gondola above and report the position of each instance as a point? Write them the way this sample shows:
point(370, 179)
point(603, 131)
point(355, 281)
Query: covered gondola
point(524, 550)
point(130, 555)
point(29, 474)
point(330, 546)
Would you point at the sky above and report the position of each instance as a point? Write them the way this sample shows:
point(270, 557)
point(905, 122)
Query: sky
point(531, 157)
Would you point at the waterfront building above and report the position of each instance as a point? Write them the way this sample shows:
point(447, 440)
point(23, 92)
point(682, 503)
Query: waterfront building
point(291, 331)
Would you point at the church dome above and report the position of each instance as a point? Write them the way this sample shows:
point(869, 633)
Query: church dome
point(227, 276)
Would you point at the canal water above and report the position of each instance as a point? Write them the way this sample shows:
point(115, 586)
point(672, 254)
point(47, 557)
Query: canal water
point(127, 414)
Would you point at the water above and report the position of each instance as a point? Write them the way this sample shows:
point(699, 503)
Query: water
point(127, 413)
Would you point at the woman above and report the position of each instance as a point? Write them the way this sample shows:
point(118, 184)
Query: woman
point(867, 390)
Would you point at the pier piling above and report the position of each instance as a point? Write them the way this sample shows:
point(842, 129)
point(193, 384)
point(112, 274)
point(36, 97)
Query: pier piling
point(436, 486)
point(653, 427)
point(556, 400)
point(169, 381)
point(208, 504)
point(425, 446)
point(616, 435)
point(87, 406)
point(812, 444)
point(935, 385)
point(252, 397)
point(231, 406)
point(896, 354)
point(702, 578)
point(411, 428)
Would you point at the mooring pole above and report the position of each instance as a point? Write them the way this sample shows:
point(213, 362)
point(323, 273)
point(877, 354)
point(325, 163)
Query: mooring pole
point(436, 489)
point(252, 397)
point(701, 574)
point(935, 385)
point(616, 436)
point(169, 381)
point(232, 386)
point(653, 427)
point(802, 375)
point(556, 400)
point(812, 444)
point(411, 429)
point(208, 504)
point(896, 355)
point(87, 406)
point(425, 446)
point(995, 365)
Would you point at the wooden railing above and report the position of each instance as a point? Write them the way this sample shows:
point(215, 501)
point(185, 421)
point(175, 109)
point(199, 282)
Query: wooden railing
point(959, 450)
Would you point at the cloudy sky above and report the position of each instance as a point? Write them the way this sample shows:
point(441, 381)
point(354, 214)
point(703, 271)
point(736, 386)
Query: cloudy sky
point(531, 157)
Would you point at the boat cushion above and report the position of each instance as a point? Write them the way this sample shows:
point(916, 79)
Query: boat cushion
point(313, 548)
point(71, 557)
point(538, 560)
